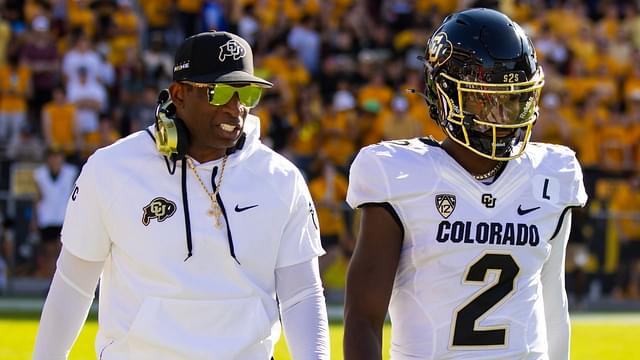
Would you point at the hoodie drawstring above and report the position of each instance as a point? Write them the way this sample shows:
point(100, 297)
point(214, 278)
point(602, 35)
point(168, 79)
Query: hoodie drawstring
point(185, 205)
point(224, 213)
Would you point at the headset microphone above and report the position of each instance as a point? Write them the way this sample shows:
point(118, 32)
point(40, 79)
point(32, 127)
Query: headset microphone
point(163, 96)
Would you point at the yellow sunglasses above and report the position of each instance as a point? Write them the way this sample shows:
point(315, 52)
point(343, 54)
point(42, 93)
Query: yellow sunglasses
point(220, 94)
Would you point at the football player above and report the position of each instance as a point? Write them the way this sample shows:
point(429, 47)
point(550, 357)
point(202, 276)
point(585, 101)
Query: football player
point(464, 241)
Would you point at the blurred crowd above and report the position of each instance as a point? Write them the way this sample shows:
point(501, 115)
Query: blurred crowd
point(76, 75)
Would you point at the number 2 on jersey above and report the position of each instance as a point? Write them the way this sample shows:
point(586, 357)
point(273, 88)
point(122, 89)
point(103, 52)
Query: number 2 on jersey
point(466, 328)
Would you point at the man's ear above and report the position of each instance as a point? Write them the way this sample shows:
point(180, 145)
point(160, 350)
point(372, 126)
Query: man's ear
point(177, 94)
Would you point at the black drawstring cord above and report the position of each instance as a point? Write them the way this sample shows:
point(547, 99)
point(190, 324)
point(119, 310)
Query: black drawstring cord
point(226, 221)
point(185, 204)
point(174, 161)
point(224, 213)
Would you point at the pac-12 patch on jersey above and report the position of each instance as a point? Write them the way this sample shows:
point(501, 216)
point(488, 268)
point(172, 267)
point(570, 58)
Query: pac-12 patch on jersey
point(159, 208)
point(445, 203)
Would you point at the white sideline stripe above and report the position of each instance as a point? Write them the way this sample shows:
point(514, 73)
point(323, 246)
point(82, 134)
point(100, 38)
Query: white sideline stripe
point(35, 305)
point(335, 312)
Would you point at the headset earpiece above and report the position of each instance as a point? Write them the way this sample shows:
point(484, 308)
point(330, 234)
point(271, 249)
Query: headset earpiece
point(184, 138)
point(171, 134)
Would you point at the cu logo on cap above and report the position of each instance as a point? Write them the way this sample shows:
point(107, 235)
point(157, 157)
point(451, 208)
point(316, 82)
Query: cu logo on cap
point(233, 49)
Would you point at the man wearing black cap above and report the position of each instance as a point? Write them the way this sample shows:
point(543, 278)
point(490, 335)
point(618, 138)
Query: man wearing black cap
point(196, 227)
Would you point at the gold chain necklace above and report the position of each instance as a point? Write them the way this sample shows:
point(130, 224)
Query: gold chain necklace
point(215, 208)
point(491, 172)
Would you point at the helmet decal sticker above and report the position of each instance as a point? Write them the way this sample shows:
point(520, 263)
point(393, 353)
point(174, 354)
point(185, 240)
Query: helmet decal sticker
point(440, 49)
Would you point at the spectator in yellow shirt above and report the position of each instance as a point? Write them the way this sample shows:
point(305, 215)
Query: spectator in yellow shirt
point(399, 124)
point(189, 13)
point(125, 36)
point(157, 14)
point(15, 90)
point(59, 125)
point(80, 16)
point(376, 90)
point(106, 135)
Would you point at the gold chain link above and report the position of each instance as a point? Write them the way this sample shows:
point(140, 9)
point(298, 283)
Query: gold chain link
point(215, 208)
point(491, 172)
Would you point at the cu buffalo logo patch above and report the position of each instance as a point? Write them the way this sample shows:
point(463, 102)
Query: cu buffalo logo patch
point(445, 203)
point(440, 49)
point(232, 49)
point(159, 208)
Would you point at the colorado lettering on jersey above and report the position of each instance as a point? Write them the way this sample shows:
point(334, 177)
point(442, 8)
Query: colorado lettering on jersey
point(493, 233)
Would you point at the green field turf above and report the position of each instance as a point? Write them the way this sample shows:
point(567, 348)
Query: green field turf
point(595, 336)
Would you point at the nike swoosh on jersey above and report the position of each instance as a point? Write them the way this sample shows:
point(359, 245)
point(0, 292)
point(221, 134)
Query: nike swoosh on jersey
point(522, 211)
point(241, 209)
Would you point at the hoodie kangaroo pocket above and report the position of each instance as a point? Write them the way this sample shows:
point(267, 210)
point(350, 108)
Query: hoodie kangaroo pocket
point(199, 329)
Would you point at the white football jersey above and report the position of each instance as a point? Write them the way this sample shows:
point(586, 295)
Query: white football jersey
point(468, 285)
point(155, 303)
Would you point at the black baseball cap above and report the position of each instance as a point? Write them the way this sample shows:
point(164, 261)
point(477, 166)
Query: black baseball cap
point(215, 57)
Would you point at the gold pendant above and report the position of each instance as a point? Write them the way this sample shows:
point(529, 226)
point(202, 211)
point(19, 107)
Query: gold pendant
point(215, 213)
